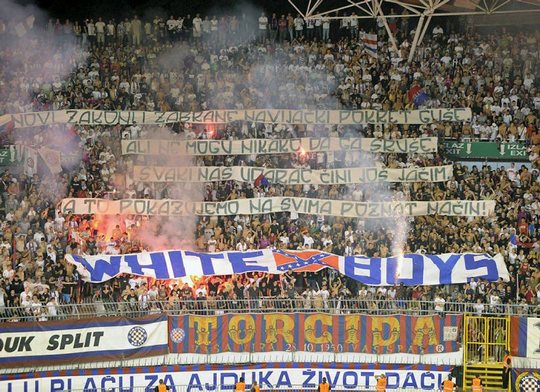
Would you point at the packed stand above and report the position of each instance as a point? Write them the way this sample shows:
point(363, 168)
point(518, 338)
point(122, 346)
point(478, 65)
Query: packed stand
point(191, 64)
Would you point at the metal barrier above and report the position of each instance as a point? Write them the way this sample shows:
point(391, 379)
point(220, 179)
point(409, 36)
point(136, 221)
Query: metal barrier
point(262, 305)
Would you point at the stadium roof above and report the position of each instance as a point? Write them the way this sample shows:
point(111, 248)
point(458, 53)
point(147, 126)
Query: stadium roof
point(423, 9)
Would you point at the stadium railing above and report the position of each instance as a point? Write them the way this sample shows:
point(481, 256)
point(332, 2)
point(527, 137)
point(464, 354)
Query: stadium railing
point(262, 305)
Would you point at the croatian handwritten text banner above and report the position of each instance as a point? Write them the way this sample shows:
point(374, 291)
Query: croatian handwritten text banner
point(273, 116)
point(423, 145)
point(355, 175)
point(267, 205)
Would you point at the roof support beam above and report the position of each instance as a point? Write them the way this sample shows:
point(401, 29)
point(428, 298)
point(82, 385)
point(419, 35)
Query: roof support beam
point(416, 38)
point(385, 22)
point(372, 8)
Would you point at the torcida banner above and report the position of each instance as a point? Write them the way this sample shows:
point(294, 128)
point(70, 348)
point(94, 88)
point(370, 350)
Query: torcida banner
point(314, 332)
point(410, 269)
point(356, 175)
point(265, 205)
point(424, 145)
point(281, 116)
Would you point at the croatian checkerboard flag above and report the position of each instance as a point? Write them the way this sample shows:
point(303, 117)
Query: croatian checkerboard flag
point(370, 44)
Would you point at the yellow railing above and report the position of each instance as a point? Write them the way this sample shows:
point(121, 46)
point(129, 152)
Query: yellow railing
point(485, 340)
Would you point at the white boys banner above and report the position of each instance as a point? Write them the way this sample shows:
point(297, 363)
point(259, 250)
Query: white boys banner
point(282, 116)
point(411, 269)
point(423, 145)
point(265, 205)
point(250, 174)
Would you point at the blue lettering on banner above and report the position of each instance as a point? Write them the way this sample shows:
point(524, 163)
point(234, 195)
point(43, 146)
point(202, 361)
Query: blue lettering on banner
point(240, 262)
point(445, 267)
point(195, 383)
point(283, 380)
point(350, 379)
point(58, 386)
point(226, 380)
point(105, 266)
point(410, 381)
point(225, 384)
point(392, 380)
point(472, 263)
point(354, 265)
point(90, 384)
point(206, 260)
point(424, 383)
point(310, 375)
point(410, 269)
point(417, 270)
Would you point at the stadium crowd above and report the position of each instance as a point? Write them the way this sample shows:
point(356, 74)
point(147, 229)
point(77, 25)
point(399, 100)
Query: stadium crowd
point(282, 61)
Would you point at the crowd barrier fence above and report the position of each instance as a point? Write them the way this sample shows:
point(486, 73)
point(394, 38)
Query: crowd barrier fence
point(383, 307)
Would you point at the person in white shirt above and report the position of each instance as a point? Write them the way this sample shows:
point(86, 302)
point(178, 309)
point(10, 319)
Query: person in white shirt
point(439, 303)
point(212, 244)
point(438, 32)
point(478, 307)
point(110, 32)
point(197, 26)
point(308, 241)
point(51, 308)
point(100, 32)
point(298, 27)
point(171, 28)
point(242, 246)
point(263, 27)
point(91, 30)
point(353, 23)
point(326, 30)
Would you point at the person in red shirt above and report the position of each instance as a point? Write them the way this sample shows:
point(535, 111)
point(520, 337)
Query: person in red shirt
point(523, 226)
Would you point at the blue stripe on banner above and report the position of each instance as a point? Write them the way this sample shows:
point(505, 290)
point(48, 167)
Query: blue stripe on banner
point(523, 331)
point(409, 334)
point(362, 332)
point(36, 327)
point(37, 358)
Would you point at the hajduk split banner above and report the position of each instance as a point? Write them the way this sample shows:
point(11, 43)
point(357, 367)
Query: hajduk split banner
point(266, 205)
point(314, 333)
point(269, 116)
point(356, 175)
point(27, 344)
point(423, 145)
point(293, 376)
point(411, 269)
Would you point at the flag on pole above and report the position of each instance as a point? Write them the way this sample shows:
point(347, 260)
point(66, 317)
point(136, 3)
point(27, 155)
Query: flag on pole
point(261, 180)
point(51, 158)
point(30, 161)
point(6, 124)
point(417, 95)
point(370, 44)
